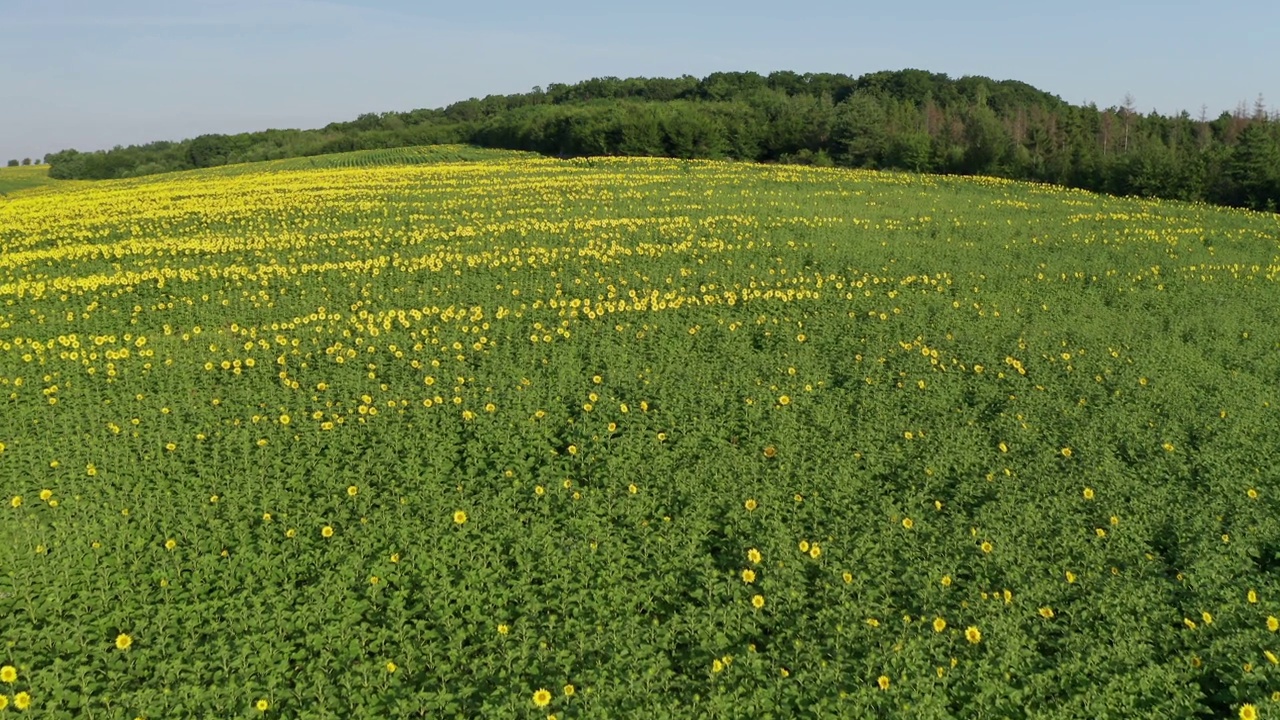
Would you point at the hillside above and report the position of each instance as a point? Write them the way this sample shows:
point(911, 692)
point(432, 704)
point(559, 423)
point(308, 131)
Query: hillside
point(13, 179)
point(513, 436)
point(908, 120)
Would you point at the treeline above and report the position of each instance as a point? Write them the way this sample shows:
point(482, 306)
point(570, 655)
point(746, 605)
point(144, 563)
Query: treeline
point(909, 120)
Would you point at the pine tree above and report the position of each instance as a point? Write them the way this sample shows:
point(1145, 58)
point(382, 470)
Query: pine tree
point(1254, 168)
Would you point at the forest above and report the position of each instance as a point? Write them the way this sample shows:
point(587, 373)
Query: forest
point(910, 120)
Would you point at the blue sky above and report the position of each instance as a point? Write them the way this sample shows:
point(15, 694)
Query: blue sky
point(91, 74)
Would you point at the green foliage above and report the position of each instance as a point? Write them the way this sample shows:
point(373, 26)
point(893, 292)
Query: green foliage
point(859, 131)
point(909, 119)
point(1254, 168)
point(1035, 412)
point(911, 151)
point(431, 154)
point(15, 178)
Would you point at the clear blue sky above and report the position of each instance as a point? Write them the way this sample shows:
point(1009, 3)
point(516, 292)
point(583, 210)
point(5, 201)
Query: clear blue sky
point(91, 74)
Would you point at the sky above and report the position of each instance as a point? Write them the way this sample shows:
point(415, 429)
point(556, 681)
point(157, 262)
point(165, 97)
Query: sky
point(91, 74)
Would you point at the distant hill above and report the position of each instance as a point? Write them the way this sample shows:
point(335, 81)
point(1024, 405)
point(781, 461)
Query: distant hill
point(416, 155)
point(909, 120)
point(23, 177)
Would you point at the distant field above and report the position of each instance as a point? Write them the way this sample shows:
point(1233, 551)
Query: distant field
point(23, 177)
point(363, 158)
point(493, 435)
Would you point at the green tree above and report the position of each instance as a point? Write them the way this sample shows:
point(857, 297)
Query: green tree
point(211, 150)
point(911, 151)
point(1254, 168)
point(795, 123)
point(988, 145)
point(640, 131)
point(858, 132)
point(692, 133)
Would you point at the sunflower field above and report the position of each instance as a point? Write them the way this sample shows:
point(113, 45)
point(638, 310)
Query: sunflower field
point(511, 437)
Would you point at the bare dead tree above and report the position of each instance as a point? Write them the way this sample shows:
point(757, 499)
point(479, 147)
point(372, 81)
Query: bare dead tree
point(1239, 119)
point(1106, 130)
point(1127, 112)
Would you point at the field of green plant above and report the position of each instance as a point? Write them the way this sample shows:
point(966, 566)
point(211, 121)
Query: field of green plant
point(362, 158)
point(13, 179)
point(524, 438)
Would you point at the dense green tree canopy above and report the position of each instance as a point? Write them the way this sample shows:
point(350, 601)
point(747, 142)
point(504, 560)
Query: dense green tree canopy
point(909, 119)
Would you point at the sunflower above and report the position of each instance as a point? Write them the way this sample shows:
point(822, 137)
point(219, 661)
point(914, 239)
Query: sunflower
point(973, 634)
point(542, 697)
point(123, 642)
point(459, 516)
